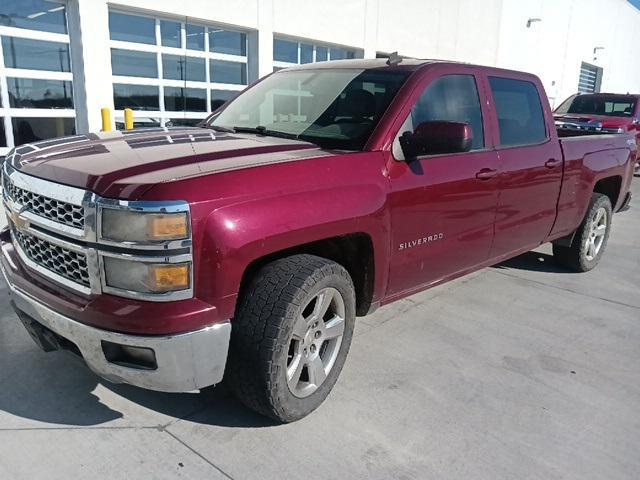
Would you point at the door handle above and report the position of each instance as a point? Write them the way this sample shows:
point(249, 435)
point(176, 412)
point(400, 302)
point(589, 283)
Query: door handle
point(552, 163)
point(486, 174)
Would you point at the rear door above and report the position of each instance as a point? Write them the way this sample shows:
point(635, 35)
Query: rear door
point(442, 206)
point(531, 163)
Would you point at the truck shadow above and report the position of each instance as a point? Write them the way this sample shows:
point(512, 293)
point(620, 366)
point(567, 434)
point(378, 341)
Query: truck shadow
point(39, 389)
point(534, 262)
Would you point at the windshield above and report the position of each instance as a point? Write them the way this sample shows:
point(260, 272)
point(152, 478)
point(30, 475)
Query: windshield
point(610, 105)
point(334, 108)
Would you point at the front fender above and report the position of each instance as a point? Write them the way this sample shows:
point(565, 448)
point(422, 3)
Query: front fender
point(237, 235)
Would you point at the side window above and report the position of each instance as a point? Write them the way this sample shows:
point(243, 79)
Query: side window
point(519, 110)
point(451, 98)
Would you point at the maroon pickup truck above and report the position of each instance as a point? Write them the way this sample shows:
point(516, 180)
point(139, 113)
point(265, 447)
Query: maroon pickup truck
point(168, 258)
point(597, 113)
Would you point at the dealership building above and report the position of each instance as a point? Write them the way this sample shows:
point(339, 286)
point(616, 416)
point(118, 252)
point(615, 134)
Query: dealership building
point(173, 62)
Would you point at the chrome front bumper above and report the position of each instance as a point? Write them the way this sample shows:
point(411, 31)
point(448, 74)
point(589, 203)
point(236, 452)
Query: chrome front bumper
point(185, 362)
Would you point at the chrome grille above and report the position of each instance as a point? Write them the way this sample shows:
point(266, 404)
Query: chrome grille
point(55, 210)
point(61, 261)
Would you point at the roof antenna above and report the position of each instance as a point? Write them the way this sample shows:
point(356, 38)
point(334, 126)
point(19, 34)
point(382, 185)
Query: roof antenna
point(394, 59)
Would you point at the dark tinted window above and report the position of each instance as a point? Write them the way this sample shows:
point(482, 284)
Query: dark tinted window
point(136, 97)
point(27, 130)
point(35, 54)
point(36, 93)
point(601, 104)
point(195, 37)
point(519, 110)
point(40, 15)
point(338, 53)
point(232, 43)
point(322, 54)
point(285, 51)
point(219, 97)
point(228, 72)
point(134, 64)
point(170, 34)
point(177, 67)
point(181, 99)
point(3, 138)
point(132, 28)
point(452, 98)
point(306, 53)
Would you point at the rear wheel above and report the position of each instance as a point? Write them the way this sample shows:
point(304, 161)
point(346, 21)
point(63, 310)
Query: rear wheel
point(590, 240)
point(291, 336)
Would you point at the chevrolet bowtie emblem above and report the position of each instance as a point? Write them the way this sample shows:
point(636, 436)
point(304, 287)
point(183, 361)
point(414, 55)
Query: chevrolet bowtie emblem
point(18, 220)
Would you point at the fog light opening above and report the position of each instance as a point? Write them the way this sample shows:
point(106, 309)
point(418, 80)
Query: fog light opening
point(141, 358)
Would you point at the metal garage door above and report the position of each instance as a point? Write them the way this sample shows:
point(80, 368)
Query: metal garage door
point(590, 78)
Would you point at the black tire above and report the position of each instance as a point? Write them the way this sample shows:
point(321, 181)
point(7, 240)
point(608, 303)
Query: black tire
point(262, 334)
point(576, 257)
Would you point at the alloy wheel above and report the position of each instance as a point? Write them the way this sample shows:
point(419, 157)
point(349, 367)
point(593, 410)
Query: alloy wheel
point(596, 236)
point(315, 342)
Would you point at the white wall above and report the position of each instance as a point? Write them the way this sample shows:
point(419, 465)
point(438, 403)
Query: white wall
point(567, 34)
point(488, 32)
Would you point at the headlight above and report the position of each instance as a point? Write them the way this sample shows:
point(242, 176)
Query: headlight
point(133, 226)
point(146, 277)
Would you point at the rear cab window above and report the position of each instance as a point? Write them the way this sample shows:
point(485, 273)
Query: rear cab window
point(519, 112)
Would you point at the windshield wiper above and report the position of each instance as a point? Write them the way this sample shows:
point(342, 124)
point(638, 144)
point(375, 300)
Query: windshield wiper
point(261, 130)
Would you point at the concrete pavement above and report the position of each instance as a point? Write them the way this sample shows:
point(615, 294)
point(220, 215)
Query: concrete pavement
point(520, 371)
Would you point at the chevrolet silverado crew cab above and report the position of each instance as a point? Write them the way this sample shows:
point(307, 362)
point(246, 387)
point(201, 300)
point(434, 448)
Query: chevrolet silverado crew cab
point(246, 248)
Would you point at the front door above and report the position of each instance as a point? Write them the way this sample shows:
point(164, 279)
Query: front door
point(442, 206)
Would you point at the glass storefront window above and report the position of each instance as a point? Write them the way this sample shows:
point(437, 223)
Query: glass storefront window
point(132, 28)
point(35, 54)
point(168, 81)
point(27, 130)
point(3, 138)
point(170, 34)
point(220, 97)
point(185, 99)
point(228, 72)
point(130, 63)
point(40, 15)
point(231, 43)
point(195, 37)
point(177, 67)
point(39, 93)
point(285, 51)
point(136, 97)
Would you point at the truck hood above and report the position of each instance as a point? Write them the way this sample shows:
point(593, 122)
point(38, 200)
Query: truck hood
point(126, 164)
point(605, 120)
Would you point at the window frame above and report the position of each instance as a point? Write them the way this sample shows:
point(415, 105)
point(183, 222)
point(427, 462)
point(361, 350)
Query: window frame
point(496, 126)
point(7, 113)
point(164, 115)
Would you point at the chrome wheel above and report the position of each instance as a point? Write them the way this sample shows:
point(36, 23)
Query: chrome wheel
point(597, 231)
point(315, 342)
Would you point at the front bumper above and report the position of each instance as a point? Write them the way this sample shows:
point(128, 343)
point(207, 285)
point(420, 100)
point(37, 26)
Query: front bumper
point(183, 362)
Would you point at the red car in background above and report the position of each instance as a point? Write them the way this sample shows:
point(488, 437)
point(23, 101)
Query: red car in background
point(593, 113)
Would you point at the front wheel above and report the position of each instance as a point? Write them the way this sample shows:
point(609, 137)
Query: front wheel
point(590, 240)
point(291, 336)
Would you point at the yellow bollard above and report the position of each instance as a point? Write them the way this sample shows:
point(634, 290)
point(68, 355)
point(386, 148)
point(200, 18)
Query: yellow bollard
point(128, 119)
point(106, 119)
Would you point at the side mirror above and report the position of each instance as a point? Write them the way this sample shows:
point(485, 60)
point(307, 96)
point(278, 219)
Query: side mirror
point(438, 137)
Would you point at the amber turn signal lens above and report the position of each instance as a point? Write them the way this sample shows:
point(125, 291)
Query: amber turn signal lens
point(169, 227)
point(170, 277)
